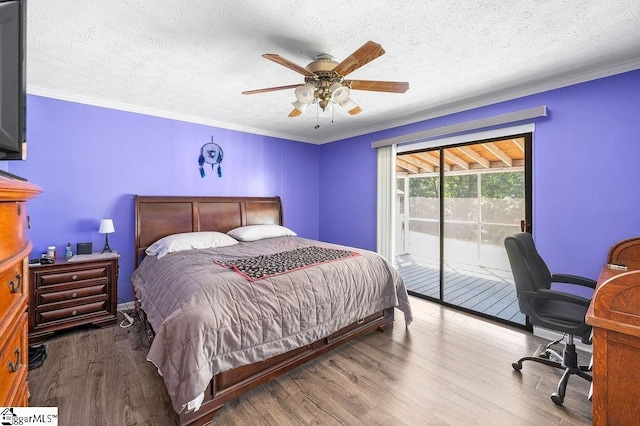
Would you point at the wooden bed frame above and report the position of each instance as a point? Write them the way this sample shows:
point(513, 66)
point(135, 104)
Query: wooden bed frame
point(157, 217)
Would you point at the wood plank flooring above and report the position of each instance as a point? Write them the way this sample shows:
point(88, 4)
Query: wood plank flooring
point(469, 287)
point(447, 368)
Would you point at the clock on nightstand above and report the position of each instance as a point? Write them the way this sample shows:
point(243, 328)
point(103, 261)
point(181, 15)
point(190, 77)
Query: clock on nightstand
point(68, 293)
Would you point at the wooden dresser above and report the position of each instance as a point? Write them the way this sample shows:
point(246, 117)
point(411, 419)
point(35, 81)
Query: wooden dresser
point(614, 314)
point(14, 290)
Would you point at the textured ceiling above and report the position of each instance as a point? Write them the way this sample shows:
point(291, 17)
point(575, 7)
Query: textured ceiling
point(191, 59)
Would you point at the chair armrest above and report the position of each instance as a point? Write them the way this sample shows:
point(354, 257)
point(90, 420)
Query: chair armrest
point(573, 279)
point(556, 295)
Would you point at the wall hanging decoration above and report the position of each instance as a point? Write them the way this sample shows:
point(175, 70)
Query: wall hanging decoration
point(210, 153)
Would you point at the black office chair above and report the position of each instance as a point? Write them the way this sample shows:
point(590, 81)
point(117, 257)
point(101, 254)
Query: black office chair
point(550, 309)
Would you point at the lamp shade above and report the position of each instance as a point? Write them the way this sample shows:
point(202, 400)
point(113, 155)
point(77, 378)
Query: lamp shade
point(305, 92)
point(339, 93)
point(106, 226)
point(300, 106)
point(351, 107)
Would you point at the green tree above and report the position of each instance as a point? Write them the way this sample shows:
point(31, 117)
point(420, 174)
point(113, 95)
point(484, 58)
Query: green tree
point(424, 187)
point(503, 185)
point(461, 186)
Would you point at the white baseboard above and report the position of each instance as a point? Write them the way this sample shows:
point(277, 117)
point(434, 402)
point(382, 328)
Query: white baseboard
point(554, 335)
point(127, 306)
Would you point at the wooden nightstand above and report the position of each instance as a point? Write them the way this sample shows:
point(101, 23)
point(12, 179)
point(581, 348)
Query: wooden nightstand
point(68, 293)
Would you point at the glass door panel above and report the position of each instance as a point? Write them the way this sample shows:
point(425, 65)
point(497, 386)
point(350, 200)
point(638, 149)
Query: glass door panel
point(481, 207)
point(419, 217)
point(455, 206)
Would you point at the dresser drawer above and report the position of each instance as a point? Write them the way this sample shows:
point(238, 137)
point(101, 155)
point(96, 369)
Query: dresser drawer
point(71, 313)
point(13, 289)
point(71, 294)
point(21, 396)
point(13, 228)
point(14, 361)
point(43, 279)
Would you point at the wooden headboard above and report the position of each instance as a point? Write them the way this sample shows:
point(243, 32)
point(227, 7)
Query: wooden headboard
point(157, 216)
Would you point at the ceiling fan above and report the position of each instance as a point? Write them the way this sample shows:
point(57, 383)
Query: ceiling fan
point(325, 80)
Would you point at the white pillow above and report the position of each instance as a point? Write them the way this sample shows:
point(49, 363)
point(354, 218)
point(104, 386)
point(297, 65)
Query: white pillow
point(189, 241)
point(259, 232)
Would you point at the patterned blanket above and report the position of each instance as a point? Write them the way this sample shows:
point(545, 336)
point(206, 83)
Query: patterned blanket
point(259, 267)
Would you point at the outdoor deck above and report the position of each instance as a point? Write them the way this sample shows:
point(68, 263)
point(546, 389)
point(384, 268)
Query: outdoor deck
point(471, 287)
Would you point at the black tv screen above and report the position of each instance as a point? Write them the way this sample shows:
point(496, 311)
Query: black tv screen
point(12, 80)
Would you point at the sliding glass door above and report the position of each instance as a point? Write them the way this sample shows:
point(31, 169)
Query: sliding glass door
point(458, 205)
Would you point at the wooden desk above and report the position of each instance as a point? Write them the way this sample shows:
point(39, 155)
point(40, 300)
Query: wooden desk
point(614, 314)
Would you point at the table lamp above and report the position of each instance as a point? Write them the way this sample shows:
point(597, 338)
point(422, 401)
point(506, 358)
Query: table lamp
point(106, 228)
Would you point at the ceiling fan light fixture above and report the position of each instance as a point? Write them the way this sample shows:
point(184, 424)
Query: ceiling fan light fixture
point(351, 107)
point(300, 106)
point(339, 93)
point(305, 93)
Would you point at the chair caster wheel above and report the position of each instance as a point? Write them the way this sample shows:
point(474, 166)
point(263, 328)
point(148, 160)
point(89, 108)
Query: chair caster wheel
point(557, 399)
point(516, 366)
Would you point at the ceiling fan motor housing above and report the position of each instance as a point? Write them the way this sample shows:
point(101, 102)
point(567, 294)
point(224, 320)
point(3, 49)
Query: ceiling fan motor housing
point(323, 63)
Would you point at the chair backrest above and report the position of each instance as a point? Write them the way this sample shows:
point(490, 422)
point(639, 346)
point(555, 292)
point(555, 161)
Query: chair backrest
point(530, 273)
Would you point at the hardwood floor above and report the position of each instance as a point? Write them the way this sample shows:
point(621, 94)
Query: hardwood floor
point(447, 368)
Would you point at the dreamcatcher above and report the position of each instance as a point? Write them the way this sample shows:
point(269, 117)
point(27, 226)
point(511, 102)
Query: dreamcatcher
point(210, 153)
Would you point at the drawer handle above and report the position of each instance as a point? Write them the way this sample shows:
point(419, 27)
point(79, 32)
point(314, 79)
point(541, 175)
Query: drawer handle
point(74, 295)
point(360, 321)
point(14, 366)
point(74, 313)
point(74, 277)
point(16, 284)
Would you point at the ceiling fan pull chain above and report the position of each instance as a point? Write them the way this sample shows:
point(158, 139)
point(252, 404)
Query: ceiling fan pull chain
point(317, 126)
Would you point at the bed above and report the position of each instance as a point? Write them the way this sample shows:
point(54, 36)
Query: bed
point(212, 341)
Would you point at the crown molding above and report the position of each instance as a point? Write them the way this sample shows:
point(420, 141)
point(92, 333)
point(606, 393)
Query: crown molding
point(121, 106)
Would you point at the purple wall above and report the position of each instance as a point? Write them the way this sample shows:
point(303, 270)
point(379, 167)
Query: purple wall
point(585, 173)
point(90, 161)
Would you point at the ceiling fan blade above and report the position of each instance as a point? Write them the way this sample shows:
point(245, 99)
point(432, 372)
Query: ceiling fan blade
point(365, 54)
point(270, 89)
point(379, 86)
point(287, 63)
point(296, 112)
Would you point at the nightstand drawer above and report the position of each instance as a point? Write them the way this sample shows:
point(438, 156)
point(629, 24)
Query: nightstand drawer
point(72, 312)
point(47, 279)
point(73, 294)
point(12, 289)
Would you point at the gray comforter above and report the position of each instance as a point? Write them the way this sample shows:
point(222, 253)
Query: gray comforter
point(209, 319)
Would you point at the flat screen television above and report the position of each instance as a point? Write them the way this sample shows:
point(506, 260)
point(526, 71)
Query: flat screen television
point(12, 80)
